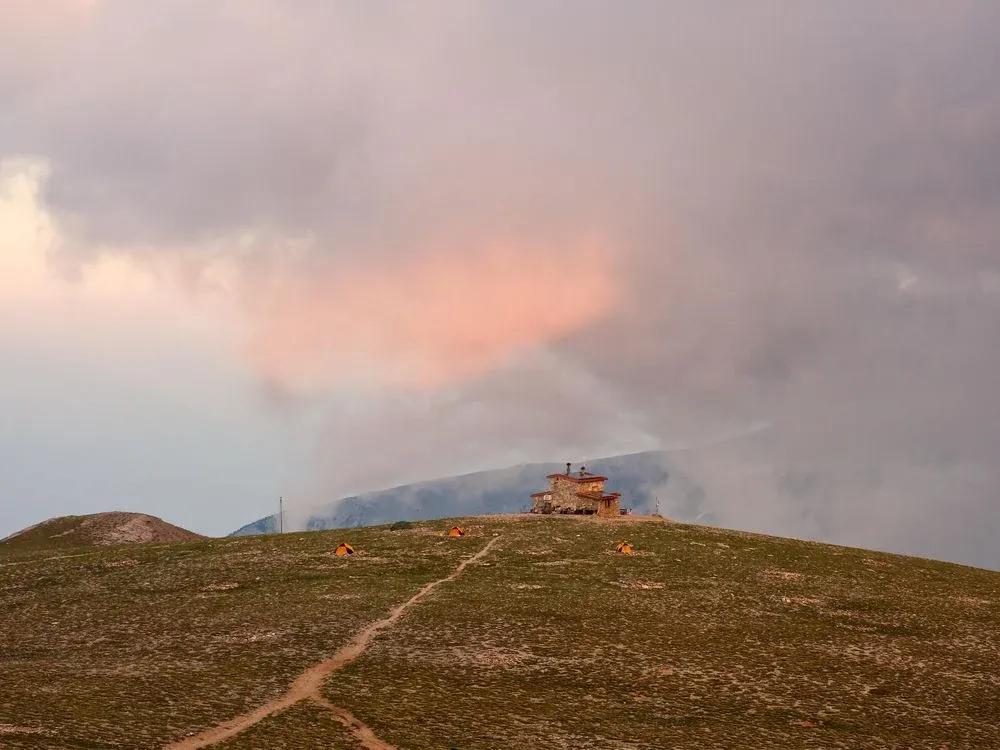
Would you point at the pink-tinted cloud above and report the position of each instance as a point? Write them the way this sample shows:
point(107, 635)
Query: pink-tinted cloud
point(428, 320)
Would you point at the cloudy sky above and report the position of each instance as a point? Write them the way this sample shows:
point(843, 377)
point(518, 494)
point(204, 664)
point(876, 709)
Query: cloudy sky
point(263, 247)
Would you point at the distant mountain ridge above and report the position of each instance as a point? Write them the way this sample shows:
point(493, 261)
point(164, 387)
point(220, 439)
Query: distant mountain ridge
point(640, 478)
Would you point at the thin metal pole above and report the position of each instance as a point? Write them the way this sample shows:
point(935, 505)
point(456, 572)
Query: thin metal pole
point(281, 515)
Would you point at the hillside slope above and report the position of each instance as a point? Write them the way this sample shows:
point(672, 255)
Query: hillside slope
point(702, 638)
point(639, 477)
point(102, 529)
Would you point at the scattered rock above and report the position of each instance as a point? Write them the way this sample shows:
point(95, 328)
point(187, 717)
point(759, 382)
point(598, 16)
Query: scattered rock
point(121, 564)
point(15, 729)
point(975, 601)
point(782, 575)
point(640, 585)
point(221, 587)
point(799, 600)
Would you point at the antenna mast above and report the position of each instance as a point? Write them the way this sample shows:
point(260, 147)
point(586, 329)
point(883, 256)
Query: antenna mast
point(281, 515)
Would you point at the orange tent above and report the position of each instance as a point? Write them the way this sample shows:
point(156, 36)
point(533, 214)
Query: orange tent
point(456, 531)
point(624, 549)
point(344, 549)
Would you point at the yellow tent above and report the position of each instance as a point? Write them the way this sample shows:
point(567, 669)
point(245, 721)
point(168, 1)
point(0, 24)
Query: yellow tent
point(456, 531)
point(624, 549)
point(344, 549)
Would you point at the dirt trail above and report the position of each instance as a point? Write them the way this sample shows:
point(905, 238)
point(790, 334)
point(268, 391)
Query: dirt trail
point(361, 731)
point(307, 685)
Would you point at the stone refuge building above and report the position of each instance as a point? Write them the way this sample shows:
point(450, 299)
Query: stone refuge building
point(580, 493)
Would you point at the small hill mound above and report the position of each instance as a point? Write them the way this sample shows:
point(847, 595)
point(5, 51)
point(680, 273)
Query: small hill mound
point(99, 529)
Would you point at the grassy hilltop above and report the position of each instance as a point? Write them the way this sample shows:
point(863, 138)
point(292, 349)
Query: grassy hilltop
point(703, 638)
point(97, 529)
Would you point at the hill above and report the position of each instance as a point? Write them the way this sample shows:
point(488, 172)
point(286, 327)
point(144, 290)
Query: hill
point(639, 477)
point(107, 529)
point(525, 632)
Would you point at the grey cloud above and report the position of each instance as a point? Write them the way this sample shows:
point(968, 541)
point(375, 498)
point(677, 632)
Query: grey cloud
point(764, 169)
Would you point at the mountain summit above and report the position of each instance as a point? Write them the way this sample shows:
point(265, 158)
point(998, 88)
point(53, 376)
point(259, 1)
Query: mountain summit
point(640, 478)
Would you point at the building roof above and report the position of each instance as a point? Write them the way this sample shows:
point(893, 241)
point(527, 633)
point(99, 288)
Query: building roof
point(598, 495)
point(578, 477)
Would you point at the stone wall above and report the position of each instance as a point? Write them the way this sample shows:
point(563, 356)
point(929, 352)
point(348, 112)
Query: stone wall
point(610, 508)
point(563, 495)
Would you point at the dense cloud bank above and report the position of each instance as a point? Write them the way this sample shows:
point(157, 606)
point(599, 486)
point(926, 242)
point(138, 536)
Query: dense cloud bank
point(476, 233)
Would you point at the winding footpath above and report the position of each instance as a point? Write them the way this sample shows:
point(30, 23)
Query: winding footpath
point(309, 684)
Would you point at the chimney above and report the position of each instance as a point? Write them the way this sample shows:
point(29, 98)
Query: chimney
point(569, 466)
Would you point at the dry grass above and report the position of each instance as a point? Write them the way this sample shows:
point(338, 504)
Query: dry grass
point(703, 639)
point(304, 725)
point(98, 654)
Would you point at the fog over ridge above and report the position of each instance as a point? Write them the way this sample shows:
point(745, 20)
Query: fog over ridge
point(440, 238)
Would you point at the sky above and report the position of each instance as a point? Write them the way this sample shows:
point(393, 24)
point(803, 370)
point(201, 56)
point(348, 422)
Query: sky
point(252, 248)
